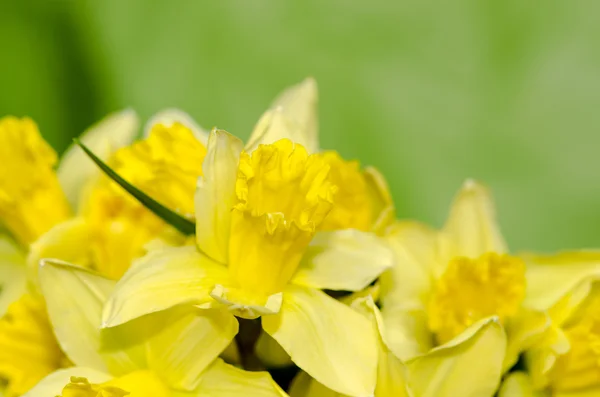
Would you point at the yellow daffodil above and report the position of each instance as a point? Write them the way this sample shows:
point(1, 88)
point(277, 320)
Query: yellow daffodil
point(109, 228)
point(33, 199)
point(446, 285)
point(563, 354)
point(256, 215)
point(160, 355)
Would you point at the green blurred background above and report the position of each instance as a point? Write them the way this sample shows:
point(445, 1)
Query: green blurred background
point(430, 92)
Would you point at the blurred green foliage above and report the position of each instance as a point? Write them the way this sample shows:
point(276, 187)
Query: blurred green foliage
point(430, 92)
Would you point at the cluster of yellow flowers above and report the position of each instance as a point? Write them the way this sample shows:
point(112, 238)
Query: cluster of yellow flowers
point(275, 259)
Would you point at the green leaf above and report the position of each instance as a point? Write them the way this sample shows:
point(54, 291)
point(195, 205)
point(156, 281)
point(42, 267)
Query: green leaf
point(180, 223)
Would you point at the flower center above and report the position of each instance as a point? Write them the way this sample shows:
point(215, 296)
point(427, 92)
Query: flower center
point(283, 195)
point(28, 348)
point(353, 207)
point(166, 166)
point(472, 289)
point(580, 367)
point(31, 199)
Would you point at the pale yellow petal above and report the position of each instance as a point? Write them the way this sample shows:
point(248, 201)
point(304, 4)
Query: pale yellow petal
point(68, 241)
point(293, 115)
point(523, 331)
point(160, 280)
point(215, 195)
point(381, 199)
point(472, 228)
point(13, 280)
point(52, 385)
point(343, 260)
point(550, 277)
point(343, 350)
point(224, 380)
point(409, 282)
point(407, 333)
point(305, 386)
point(169, 116)
point(105, 137)
point(187, 345)
point(270, 353)
point(517, 384)
point(468, 366)
point(392, 373)
point(74, 299)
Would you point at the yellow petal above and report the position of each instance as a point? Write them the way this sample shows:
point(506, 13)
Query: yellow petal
point(270, 353)
point(74, 298)
point(407, 332)
point(517, 384)
point(28, 348)
point(189, 344)
point(160, 280)
point(550, 277)
point(76, 169)
point(471, 228)
point(293, 115)
point(170, 116)
point(67, 241)
point(52, 385)
point(31, 199)
point(305, 386)
point(523, 331)
point(468, 366)
point(408, 283)
point(383, 206)
point(215, 195)
point(343, 260)
point(342, 354)
point(12, 273)
point(392, 373)
point(224, 380)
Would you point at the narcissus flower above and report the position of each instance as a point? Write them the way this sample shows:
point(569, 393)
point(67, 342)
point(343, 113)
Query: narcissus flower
point(159, 355)
point(105, 230)
point(446, 285)
point(33, 199)
point(256, 215)
point(563, 355)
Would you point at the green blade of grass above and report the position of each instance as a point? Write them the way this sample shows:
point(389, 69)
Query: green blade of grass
point(180, 223)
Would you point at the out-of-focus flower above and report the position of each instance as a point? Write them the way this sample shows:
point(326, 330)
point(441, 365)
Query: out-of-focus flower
point(109, 228)
point(562, 357)
point(33, 200)
point(159, 355)
point(446, 285)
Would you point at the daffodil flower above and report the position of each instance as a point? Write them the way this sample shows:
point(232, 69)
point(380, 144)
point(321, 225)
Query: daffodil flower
point(446, 285)
point(105, 230)
point(33, 199)
point(562, 357)
point(159, 355)
point(256, 216)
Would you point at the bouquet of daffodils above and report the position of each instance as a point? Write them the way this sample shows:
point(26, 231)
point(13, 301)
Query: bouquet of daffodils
point(189, 263)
